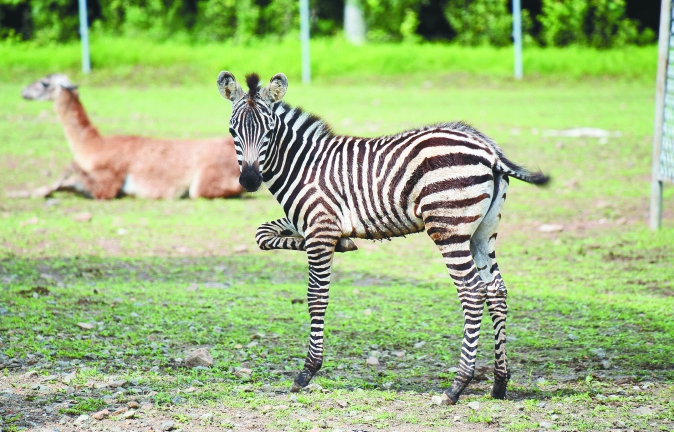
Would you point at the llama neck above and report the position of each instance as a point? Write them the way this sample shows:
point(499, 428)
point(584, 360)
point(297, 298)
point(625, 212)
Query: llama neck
point(82, 136)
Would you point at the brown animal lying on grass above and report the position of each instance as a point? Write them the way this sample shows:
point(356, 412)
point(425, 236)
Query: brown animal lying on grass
point(107, 167)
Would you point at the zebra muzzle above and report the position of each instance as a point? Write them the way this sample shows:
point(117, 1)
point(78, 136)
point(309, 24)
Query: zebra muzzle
point(250, 177)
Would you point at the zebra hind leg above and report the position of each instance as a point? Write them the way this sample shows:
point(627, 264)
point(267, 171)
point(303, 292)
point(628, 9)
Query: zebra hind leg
point(455, 249)
point(483, 250)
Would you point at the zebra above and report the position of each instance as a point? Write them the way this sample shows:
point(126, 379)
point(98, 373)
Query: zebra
point(447, 179)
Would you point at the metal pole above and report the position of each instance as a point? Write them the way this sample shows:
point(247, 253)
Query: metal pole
point(304, 36)
point(84, 35)
point(655, 218)
point(354, 24)
point(517, 37)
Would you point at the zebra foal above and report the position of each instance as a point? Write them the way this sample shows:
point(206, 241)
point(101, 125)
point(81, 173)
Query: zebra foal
point(447, 179)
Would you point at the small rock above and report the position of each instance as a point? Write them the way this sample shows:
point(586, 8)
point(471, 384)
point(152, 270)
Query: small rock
point(342, 403)
point(207, 417)
point(453, 370)
point(117, 383)
point(541, 405)
point(81, 419)
point(85, 326)
point(29, 374)
point(643, 410)
point(133, 404)
point(167, 425)
point(475, 405)
point(243, 372)
point(199, 357)
point(545, 425)
point(440, 400)
point(146, 407)
point(372, 361)
point(120, 411)
point(82, 217)
point(457, 418)
point(177, 400)
point(419, 344)
point(606, 364)
point(129, 414)
point(101, 414)
point(399, 354)
point(550, 228)
point(313, 387)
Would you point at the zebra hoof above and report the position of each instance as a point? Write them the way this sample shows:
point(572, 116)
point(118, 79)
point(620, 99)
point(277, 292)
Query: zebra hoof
point(499, 389)
point(448, 399)
point(301, 381)
point(345, 244)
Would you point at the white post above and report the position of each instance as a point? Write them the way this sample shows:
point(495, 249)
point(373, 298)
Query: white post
point(84, 36)
point(517, 37)
point(304, 36)
point(354, 23)
point(655, 218)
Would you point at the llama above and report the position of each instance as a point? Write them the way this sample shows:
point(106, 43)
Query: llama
point(106, 167)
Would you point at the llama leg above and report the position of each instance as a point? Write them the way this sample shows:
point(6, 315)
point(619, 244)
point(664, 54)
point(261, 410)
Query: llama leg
point(320, 252)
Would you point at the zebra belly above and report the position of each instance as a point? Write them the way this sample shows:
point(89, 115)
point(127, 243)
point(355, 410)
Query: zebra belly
point(377, 227)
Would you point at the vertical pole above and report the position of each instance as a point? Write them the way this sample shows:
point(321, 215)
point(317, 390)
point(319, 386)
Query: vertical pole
point(84, 35)
point(517, 37)
point(304, 36)
point(655, 219)
point(354, 24)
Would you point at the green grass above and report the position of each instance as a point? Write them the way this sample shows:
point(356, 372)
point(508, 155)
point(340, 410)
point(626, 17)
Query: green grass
point(331, 59)
point(590, 307)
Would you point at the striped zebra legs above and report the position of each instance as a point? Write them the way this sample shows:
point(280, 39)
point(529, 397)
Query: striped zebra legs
point(281, 234)
point(451, 230)
point(482, 247)
point(320, 248)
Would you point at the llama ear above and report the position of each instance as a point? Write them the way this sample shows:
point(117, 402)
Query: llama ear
point(276, 89)
point(69, 86)
point(228, 87)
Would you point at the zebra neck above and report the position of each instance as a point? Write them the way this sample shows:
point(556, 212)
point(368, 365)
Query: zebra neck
point(298, 137)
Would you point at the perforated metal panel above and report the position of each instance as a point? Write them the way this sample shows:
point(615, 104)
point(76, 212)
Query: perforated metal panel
point(666, 169)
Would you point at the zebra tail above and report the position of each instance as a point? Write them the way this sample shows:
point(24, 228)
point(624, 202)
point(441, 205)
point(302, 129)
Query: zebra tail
point(507, 167)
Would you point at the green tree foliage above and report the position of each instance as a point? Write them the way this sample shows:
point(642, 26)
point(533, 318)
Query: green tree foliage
point(596, 23)
point(391, 19)
point(480, 22)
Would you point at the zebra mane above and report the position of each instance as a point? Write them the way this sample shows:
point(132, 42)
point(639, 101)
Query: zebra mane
point(323, 129)
point(253, 82)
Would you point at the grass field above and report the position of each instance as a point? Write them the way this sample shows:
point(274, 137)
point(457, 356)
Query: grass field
point(591, 325)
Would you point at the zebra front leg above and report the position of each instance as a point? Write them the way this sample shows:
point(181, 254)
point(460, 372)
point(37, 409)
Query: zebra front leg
point(281, 234)
point(320, 251)
point(498, 310)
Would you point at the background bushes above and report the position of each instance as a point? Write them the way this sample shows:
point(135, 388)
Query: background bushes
point(596, 23)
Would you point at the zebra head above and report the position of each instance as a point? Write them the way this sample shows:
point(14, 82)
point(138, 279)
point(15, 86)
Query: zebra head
point(252, 122)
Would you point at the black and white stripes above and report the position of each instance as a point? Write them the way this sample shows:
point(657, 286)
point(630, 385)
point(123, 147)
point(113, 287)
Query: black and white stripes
point(448, 179)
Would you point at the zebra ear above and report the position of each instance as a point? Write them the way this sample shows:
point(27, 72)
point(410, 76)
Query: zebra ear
point(276, 89)
point(228, 87)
